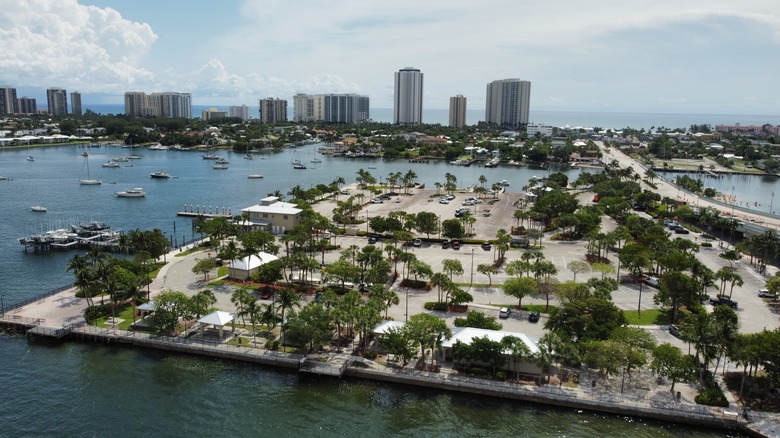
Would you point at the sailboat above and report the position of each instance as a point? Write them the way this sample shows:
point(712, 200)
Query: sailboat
point(297, 164)
point(89, 181)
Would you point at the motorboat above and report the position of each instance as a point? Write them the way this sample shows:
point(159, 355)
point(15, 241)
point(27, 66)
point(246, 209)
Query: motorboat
point(223, 161)
point(39, 209)
point(162, 174)
point(133, 157)
point(111, 164)
point(219, 167)
point(504, 182)
point(255, 176)
point(249, 157)
point(84, 154)
point(298, 165)
point(30, 158)
point(132, 193)
point(210, 156)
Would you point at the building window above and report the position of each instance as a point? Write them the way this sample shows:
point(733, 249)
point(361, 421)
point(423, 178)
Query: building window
point(285, 217)
point(265, 215)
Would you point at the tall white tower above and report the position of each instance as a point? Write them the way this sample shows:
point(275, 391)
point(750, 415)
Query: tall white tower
point(408, 101)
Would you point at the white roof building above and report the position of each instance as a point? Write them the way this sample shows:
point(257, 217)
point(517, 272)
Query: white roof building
point(273, 215)
point(467, 334)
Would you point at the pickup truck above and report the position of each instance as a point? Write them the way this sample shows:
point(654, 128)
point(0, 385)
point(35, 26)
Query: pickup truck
point(717, 301)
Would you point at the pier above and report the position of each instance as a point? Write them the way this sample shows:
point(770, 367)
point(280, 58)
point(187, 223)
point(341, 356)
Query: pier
point(73, 237)
point(208, 212)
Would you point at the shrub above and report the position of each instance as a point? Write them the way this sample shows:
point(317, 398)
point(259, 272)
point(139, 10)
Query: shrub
point(370, 354)
point(93, 313)
point(477, 371)
point(500, 375)
point(436, 305)
point(712, 396)
point(706, 245)
point(414, 284)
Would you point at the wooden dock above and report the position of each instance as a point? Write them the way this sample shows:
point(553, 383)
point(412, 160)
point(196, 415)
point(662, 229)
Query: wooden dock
point(204, 211)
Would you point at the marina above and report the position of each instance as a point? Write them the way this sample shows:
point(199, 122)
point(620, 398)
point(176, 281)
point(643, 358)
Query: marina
point(73, 237)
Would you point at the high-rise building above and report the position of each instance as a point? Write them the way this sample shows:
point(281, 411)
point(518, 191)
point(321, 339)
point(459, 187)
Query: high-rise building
point(331, 108)
point(75, 103)
point(240, 111)
point(273, 110)
point(57, 101)
point(212, 113)
point(507, 103)
point(168, 104)
point(303, 108)
point(458, 111)
point(408, 96)
point(27, 105)
point(8, 104)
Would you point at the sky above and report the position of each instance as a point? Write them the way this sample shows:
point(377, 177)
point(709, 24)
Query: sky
point(646, 56)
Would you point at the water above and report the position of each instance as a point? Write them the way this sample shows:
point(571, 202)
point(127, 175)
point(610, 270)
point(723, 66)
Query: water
point(75, 389)
point(603, 120)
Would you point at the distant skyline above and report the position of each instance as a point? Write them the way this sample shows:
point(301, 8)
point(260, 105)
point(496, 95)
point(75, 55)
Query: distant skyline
point(664, 56)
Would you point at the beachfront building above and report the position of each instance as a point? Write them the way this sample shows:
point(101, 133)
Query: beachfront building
point(27, 105)
point(466, 335)
point(272, 215)
point(8, 103)
point(167, 104)
point(330, 108)
point(543, 130)
point(458, 111)
point(507, 103)
point(57, 100)
point(75, 103)
point(273, 110)
point(212, 113)
point(408, 96)
point(240, 111)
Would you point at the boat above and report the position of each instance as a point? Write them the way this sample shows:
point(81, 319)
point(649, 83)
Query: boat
point(504, 182)
point(254, 176)
point(89, 181)
point(297, 163)
point(372, 167)
point(133, 157)
point(316, 160)
point(210, 156)
point(84, 154)
point(132, 193)
point(120, 159)
point(5, 178)
point(39, 209)
point(162, 174)
point(157, 147)
point(30, 158)
point(219, 166)
point(249, 157)
point(223, 161)
point(111, 164)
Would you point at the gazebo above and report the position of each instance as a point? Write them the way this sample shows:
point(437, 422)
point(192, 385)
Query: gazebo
point(217, 318)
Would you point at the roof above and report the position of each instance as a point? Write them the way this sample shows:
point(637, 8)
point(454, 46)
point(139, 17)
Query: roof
point(467, 334)
point(385, 327)
point(275, 208)
point(252, 261)
point(146, 307)
point(218, 317)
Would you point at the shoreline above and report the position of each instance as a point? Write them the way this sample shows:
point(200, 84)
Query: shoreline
point(604, 402)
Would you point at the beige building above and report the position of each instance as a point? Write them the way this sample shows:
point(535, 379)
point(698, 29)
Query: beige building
point(458, 111)
point(273, 215)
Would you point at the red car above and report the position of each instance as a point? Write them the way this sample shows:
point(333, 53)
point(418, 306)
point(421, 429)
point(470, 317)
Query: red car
point(455, 244)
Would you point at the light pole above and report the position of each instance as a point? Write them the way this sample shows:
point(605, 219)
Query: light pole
point(472, 268)
point(771, 202)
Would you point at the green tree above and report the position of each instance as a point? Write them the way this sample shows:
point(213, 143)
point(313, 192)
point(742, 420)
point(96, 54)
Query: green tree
point(204, 266)
point(520, 287)
point(670, 363)
point(577, 266)
point(676, 289)
point(201, 302)
point(478, 320)
point(427, 222)
point(429, 331)
point(169, 307)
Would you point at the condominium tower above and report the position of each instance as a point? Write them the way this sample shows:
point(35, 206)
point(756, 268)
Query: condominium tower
point(169, 104)
point(240, 111)
point(330, 108)
point(8, 104)
point(408, 96)
point(27, 105)
point(457, 111)
point(57, 101)
point(75, 103)
point(507, 103)
point(273, 110)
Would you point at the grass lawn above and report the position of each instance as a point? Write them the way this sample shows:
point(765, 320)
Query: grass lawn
point(124, 312)
point(648, 317)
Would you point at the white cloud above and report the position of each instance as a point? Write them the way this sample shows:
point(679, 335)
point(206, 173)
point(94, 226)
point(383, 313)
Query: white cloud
point(61, 43)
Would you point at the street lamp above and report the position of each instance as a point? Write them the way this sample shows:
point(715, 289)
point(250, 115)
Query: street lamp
point(472, 268)
point(771, 202)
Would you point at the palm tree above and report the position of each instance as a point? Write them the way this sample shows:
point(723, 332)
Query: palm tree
point(240, 298)
point(286, 299)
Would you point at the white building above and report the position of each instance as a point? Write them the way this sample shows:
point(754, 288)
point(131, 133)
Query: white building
point(240, 111)
point(545, 130)
point(273, 215)
point(245, 268)
point(408, 96)
point(507, 102)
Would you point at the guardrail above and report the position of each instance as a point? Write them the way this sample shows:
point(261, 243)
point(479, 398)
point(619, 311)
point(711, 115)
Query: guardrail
point(9, 307)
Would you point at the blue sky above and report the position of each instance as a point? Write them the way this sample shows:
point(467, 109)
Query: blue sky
point(653, 56)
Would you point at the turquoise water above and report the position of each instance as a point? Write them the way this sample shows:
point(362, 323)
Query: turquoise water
point(77, 389)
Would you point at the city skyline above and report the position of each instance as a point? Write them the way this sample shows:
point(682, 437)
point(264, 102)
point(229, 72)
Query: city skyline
point(607, 56)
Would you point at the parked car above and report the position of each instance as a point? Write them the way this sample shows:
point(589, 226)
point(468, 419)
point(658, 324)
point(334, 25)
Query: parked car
point(371, 240)
point(445, 244)
point(266, 294)
point(674, 331)
point(764, 293)
point(681, 230)
point(717, 301)
point(486, 246)
point(376, 201)
point(417, 242)
point(455, 244)
point(652, 281)
point(504, 313)
point(345, 192)
point(444, 201)
point(534, 316)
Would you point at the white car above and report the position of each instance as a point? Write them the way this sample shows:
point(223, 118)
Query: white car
point(504, 313)
point(652, 281)
point(376, 201)
point(764, 293)
point(444, 201)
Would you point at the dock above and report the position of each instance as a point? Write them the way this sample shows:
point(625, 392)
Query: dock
point(204, 211)
point(327, 365)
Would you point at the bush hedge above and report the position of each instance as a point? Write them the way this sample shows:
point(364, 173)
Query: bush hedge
point(436, 305)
